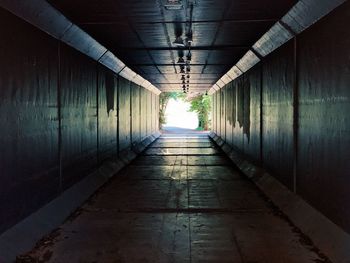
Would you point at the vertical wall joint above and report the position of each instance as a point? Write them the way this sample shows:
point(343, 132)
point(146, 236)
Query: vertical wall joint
point(59, 113)
point(295, 112)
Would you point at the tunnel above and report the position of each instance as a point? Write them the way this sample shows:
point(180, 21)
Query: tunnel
point(88, 175)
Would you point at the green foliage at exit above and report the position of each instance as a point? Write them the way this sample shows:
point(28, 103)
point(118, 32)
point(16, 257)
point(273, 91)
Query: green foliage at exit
point(202, 106)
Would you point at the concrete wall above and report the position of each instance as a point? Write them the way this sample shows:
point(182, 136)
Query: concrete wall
point(290, 114)
point(124, 120)
point(323, 165)
point(135, 113)
point(277, 113)
point(61, 115)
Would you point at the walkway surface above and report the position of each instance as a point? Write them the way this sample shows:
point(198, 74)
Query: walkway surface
point(181, 201)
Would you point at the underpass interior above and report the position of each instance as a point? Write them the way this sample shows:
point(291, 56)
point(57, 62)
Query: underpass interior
point(181, 200)
point(88, 176)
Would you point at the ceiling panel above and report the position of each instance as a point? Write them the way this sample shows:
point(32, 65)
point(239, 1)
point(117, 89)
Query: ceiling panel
point(219, 70)
point(224, 57)
point(142, 34)
point(123, 35)
point(204, 33)
point(162, 56)
point(151, 35)
point(258, 10)
point(196, 69)
point(138, 11)
point(234, 33)
point(167, 69)
point(199, 56)
point(149, 69)
point(210, 9)
point(136, 57)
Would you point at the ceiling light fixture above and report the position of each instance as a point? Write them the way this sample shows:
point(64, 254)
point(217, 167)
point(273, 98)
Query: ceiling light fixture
point(182, 69)
point(189, 55)
point(179, 42)
point(181, 60)
point(189, 37)
point(173, 5)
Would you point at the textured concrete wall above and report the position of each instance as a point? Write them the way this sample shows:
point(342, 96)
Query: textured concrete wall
point(213, 112)
point(228, 113)
point(252, 114)
point(290, 114)
point(155, 112)
point(78, 109)
point(237, 112)
point(143, 107)
point(149, 113)
point(240, 123)
point(218, 113)
point(323, 172)
point(29, 134)
point(222, 113)
point(58, 113)
point(124, 134)
point(277, 113)
point(135, 113)
point(107, 113)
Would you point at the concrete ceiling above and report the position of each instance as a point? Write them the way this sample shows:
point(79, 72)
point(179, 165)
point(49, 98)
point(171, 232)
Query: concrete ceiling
point(141, 33)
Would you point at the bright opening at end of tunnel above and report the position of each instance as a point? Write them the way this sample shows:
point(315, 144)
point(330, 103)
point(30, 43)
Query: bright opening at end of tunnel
point(177, 115)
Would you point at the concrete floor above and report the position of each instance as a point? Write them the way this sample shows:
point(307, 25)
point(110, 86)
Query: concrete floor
point(181, 201)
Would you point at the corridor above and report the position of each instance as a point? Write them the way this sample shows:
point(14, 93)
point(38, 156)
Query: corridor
point(182, 201)
point(89, 175)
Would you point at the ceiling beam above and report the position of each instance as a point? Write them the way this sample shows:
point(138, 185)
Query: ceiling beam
point(216, 47)
point(170, 64)
point(262, 20)
point(180, 83)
